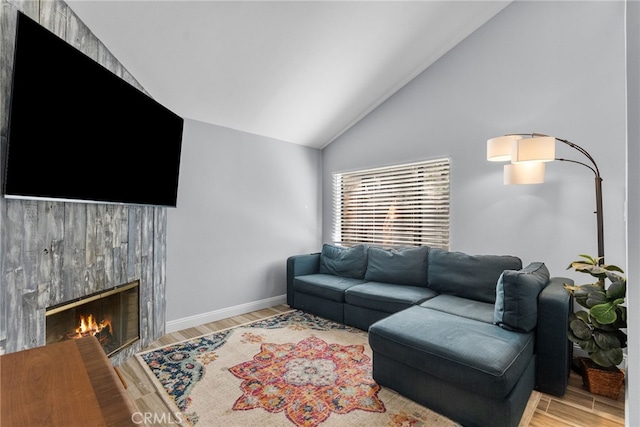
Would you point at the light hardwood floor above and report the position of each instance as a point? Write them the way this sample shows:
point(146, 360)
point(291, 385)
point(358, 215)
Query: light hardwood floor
point(577, 408)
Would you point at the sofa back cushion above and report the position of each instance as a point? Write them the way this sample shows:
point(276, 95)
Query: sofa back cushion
point(407, 266)
point(343, 262)
point(468, 276)
point(516, 305)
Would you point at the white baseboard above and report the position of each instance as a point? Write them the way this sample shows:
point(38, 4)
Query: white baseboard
point(212, 316)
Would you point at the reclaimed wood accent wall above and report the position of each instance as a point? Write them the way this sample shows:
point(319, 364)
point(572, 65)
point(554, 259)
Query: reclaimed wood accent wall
point(52, 252)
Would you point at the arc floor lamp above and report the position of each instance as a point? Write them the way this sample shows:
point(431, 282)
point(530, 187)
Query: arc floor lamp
point(528, 153)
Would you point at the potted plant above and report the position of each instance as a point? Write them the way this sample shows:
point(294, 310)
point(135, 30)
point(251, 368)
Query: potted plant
point(598, 330)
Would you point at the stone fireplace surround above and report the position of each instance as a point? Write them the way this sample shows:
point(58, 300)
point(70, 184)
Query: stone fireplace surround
point(52, 252)
point(100, 246)
point(112, 316)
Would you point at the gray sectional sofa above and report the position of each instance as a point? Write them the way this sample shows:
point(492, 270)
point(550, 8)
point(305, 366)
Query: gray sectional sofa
point(469, 336)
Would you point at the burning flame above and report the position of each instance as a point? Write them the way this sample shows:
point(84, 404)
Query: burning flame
point(90, 326)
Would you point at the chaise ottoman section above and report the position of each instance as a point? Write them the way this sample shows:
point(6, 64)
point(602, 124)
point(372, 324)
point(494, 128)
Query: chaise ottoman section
point(463, 406)
point(476, 356)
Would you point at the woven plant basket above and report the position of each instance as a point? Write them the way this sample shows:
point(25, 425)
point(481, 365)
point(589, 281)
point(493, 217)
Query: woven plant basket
point(601, 381)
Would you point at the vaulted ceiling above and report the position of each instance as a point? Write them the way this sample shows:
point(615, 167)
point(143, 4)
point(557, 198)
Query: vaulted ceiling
point(297, 71)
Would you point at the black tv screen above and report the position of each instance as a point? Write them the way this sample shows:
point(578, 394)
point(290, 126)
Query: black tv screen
point(78, 132)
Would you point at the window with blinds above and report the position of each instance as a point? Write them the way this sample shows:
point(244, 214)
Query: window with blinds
point(404, 205)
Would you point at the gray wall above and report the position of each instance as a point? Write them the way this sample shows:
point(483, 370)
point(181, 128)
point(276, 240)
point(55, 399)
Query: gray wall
point(245, 204)
point(551, 67)
point(633, 195)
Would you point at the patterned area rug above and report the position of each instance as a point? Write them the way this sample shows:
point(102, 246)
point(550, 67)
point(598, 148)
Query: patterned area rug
point(292, 369)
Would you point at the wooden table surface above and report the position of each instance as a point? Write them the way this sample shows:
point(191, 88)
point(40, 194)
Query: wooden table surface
point(71, 383)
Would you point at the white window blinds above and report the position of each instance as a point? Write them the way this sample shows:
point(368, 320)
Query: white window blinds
point(404, 205)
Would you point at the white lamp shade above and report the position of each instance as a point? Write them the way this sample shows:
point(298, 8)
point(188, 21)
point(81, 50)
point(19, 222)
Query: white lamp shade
point(524, 173)
point(499, 148)
point(539, 149)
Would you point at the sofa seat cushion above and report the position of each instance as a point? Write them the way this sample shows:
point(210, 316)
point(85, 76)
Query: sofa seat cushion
point(471, 309)
point(386, 297)
point(477, 356)
point(325, 286)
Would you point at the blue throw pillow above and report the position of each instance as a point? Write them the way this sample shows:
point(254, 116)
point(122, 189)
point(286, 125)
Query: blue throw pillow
point(517, 297)
point(407, 266)
point(343, 262)
point(468, 276)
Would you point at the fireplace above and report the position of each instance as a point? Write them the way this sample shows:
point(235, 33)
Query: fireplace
point(112, 316)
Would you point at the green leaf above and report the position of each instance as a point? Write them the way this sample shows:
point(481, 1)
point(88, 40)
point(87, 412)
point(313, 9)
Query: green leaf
point(611, 327)
point(591, 265)
point(613, 268)
point(606, 340)
point(590, 258)
point(580, 329)
point(617, 289)
point(604, 314)
point(622, 337)
point(622, 315)
point(587, 295)
point(594, 270)
point(599, 331)
point(596, 298)
point(607, 358)
point(582, 315)
point(573, 338)
point(588, 345)
point(589, 288)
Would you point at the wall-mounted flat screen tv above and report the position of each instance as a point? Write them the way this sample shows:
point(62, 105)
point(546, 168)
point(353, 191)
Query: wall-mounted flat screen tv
point(78, 132)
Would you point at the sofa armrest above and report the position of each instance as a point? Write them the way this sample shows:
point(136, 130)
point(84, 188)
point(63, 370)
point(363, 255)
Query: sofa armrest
point(300, 265)
point(554, 351)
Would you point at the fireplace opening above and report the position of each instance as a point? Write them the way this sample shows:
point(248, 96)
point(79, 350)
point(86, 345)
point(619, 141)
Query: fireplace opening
point(112, 316)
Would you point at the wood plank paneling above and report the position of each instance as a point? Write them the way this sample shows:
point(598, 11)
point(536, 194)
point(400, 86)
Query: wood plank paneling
point(7, 27)
point(14, 283)
point(159, 264)
point(53, 16)
point(51, 252)
point(79, 36)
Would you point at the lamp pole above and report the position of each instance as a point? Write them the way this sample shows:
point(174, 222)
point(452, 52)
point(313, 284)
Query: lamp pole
point(598, 182)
